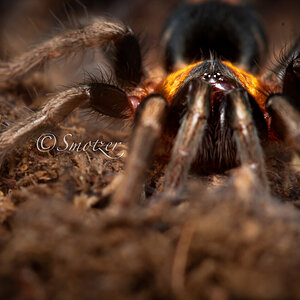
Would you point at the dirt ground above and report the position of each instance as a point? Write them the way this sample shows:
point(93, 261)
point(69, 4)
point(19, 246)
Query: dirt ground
point(59, 239)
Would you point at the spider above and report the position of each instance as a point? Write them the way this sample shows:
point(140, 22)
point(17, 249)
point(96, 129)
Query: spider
point(211, 113)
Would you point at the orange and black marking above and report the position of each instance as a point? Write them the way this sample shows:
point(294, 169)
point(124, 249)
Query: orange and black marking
point(223, 76)
point(227, 76)
point(253, 85)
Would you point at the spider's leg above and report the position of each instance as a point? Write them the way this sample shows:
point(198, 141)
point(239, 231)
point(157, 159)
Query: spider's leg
point(232, 32)
point(126, 57)
point(104, 98)
point(54, 111)
point(150, 119)
point(249, 150)
point(284, 70)
point(284, 108)
point(188, 139)
point(285, 120)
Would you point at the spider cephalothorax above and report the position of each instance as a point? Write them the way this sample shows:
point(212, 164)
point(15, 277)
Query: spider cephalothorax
point(210, 113)
point(218, 149)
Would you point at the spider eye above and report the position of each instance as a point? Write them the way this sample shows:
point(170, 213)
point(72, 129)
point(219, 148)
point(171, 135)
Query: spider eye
point(108, 100)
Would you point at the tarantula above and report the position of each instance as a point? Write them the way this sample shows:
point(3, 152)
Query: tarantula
point(210, 113)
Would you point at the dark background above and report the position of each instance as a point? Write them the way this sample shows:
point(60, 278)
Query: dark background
point(25, 22)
